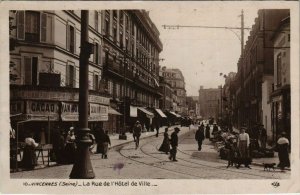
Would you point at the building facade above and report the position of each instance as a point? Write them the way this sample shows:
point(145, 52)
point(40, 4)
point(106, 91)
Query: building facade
point(176, 79)
point(166, 101)
point(44, 62)
point(209, 101)
point(260, 93)
point(281, 91)
point(255, 71)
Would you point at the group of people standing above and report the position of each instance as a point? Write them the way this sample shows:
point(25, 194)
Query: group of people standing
point(165, 146)
point(102, 140)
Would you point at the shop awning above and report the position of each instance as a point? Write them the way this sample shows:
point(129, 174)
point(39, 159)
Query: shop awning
point(176, 115)
point(148, 113)
point(161, 113)
point(113, 111)
point(133, 111)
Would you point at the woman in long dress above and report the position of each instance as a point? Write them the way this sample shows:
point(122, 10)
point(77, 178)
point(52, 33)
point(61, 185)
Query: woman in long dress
point(70, 148)
point(283, 151)
point(243, 147)
point(29, 160)
point(165, 146)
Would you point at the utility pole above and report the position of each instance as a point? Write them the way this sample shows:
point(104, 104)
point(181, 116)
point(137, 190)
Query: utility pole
point(242, 33)
point(82, 168)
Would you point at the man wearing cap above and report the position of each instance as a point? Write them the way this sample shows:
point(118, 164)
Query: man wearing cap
point(174, 144)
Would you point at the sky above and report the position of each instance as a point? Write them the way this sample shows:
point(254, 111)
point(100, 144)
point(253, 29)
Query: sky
point(202, 54)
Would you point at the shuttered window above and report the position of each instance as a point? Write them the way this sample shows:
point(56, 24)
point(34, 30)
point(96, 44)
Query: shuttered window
point(30, 70)
point(27, 71)
point(43, 27)
point(32, 26)
point(96, 82)
point(20, 25)
point(70, 76)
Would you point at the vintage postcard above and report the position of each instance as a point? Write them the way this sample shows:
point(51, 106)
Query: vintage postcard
point(149, 97)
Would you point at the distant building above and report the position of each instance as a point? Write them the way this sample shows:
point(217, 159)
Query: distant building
point(175, 78)
point(192, 104)
point(209, 102)
point(166, 101)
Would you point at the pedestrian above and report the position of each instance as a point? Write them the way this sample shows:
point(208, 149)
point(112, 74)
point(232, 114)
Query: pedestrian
point(29, 160)
point(137, 129)
point(99, 135)
point(106, 141)
point(243, 145)
point(157, 128)
point(233, 152)
point(174, 144)
point(263, 137)
point(283, 151)
point(207, 131)
point(165, 146)
point(58, 139)
point(199, 136)
point(70, 147)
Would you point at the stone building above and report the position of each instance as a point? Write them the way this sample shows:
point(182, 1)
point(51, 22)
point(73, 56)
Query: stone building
point(209, 101)
point(176, 79)
point(45, 67)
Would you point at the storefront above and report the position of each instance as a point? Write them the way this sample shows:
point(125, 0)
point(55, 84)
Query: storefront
point(281, 112)
point(41, 109)
point(141, 114)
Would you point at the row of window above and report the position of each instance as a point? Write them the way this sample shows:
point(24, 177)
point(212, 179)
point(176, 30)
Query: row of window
point(31, 74)
point(32, 27)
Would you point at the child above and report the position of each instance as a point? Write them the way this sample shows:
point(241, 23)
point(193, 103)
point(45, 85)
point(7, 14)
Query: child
point(233, 152)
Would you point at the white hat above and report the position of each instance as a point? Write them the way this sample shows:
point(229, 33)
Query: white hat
point(71, 128)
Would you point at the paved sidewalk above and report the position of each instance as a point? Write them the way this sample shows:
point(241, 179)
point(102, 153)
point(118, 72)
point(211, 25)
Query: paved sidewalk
point(115, 141)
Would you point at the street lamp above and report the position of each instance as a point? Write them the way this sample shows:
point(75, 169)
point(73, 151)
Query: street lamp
point(82, 168)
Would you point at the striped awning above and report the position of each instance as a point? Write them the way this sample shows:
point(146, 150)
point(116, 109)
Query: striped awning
point(160, 113)
point(113, 111)
point(148, 113)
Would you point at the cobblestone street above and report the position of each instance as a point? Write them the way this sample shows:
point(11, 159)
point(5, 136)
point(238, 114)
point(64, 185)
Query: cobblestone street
point(146, 162)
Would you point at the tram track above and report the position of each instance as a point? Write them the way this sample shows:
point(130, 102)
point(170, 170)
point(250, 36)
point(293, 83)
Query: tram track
point(198, 165)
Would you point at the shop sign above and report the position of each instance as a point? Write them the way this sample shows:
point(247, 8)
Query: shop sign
point(42, 110)
point(16, 107)
point(69, 111)
point(277, 98)
point(71, 96)
point(98, 112)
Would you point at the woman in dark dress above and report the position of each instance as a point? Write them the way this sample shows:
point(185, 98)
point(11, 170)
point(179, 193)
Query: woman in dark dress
point(70, 148)
point(283, 151)
point(29, 160)
point(207, 131)
point(165, 146)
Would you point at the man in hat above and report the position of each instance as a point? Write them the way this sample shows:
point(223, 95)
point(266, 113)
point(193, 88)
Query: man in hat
point(137, 129)
point(174, 144)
